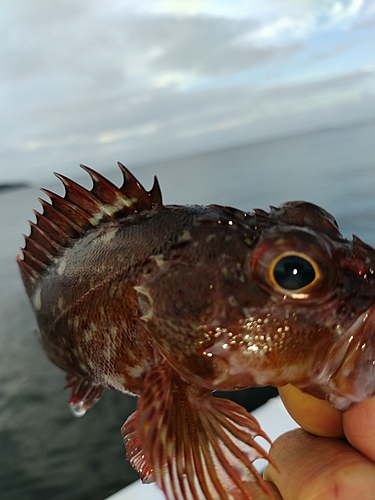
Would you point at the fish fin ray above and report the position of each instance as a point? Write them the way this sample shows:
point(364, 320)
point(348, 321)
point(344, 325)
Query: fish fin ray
point(196, 445)
point(85, 393)
point(66, 218)
point(134, 449)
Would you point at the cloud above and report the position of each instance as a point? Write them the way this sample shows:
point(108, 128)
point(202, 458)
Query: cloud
point(166, 125)
point(129, 48)
point(348, 81)
point(202, 46)
point(94, 81)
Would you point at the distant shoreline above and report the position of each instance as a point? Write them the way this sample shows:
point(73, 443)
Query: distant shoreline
point(8, 186)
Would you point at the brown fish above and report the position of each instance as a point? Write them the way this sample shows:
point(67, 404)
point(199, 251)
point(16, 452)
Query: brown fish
point(173, 302)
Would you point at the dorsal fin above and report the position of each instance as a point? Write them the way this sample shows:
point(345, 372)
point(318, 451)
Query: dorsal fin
point(69, 217)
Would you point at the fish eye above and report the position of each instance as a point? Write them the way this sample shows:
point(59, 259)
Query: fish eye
point(294, 263)
point(293, 272)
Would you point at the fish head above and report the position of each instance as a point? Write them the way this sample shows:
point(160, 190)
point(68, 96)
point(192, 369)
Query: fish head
point(291, 301)
point(316, 327)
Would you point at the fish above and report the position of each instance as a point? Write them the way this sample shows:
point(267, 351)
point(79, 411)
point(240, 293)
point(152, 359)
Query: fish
point(171, 303)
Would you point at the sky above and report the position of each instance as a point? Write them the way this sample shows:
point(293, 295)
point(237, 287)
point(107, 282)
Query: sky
point(94, 82)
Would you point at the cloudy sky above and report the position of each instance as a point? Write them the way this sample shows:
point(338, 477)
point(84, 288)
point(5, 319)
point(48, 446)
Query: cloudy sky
point(86, 81)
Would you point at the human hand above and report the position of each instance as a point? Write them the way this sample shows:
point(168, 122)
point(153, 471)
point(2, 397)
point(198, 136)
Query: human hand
point(335, 459)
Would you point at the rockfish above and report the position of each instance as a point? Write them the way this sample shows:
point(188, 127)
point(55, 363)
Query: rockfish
point(171, 303)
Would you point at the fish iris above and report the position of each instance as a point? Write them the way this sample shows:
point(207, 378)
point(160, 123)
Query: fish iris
point(293, 272)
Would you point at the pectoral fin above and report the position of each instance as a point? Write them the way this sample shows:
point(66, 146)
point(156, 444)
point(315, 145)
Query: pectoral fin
point(192, 444)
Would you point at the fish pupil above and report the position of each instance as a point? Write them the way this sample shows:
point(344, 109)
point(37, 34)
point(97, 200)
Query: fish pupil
point(293, 272)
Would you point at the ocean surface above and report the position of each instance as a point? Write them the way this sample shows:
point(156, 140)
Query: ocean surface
point(45, 453)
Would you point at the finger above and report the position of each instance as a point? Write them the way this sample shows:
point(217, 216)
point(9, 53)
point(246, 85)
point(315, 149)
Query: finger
point(259, 494)
point(313, 414)
point(312, 468)
point(359, 427)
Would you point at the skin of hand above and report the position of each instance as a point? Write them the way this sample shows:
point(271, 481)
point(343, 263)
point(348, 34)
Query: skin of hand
point(331, 457)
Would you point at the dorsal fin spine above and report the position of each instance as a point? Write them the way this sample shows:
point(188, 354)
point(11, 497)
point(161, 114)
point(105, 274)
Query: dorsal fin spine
point(28, 273)
point(134, 191)
point(71, 211)
point(34, 262)
point(79, 195)
point(69, 217)
point(38, 251)
point(67, 227)
point(41, 237)
point(155, 194)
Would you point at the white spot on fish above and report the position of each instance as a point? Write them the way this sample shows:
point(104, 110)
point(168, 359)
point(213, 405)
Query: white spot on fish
point(74, 352)
point(119, 378)
point(184, 236)
point(107, 236)
point(159, 259)
point(38, 298)
point(108, 209)
point(248, 312)
point(232, 301)
point(107, 353)
point(127, 202)
point(88, 335)
point(135, 371)
point(62, 265)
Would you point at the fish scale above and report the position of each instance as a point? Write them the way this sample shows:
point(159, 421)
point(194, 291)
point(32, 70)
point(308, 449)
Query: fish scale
point(171, 303)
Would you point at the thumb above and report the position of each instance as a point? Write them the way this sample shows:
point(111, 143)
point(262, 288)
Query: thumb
point(312, 414)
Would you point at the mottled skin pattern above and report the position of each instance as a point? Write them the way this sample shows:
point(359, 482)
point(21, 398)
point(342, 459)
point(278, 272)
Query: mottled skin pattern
point(137, 296)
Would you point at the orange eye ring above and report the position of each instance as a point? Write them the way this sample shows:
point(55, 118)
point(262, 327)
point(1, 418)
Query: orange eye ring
point(294, 274)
